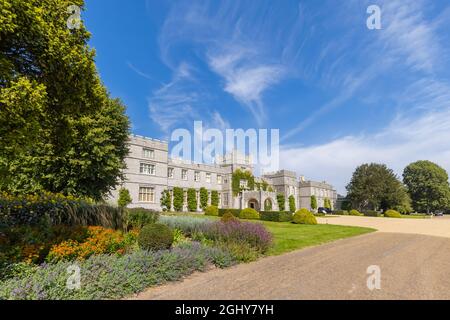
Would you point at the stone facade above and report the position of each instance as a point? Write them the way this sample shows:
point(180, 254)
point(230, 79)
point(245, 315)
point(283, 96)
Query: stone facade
point(150, 170)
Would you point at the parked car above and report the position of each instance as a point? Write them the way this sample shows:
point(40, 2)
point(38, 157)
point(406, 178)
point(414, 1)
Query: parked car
point(439, 213)
point(324, 210)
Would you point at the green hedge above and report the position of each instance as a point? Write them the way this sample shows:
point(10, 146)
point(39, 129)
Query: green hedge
point(371, 213)
point(234, 212)
point(276, 216)
point(249, 213)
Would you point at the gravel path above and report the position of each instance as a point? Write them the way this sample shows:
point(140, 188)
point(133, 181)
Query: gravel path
point(436, 226)
point(412, 267)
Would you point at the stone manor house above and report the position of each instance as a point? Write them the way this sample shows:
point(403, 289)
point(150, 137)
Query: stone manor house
point(150, 171)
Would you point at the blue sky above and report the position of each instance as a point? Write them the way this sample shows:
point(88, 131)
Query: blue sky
point(340, 94)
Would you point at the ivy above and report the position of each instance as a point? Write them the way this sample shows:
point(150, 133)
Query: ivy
point(178, 199)
point(203, 198)
point(292, 207)
point(192, 200)
point(281, 202)
point(214, 198)
point(166, 200)
point(239, 175)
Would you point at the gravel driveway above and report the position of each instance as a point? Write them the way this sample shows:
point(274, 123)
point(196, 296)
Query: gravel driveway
point(413, 266)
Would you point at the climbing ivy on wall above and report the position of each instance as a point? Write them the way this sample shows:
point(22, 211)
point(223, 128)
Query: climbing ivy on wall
point(192, 200)
point(178, 199)
point(203, 198)
point(239, 175)
point(214, 198)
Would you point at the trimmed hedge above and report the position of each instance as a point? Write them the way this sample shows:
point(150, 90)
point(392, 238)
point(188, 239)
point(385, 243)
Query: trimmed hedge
point(249, 213)
point(341, 212)
point(392, 214)
point(276, 216)
point(234, 212)
point(304, 216)
point(211, 211)
point(371, 213)
point(355, 212)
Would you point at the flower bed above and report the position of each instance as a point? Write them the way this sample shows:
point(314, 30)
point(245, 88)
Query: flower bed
point(113, 277)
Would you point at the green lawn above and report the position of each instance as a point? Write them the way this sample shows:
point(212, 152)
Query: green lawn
point(289, 237)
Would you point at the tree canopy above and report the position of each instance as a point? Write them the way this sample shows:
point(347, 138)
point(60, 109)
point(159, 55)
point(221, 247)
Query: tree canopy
point(427, 185)
point(60, 130)
point(375, 186)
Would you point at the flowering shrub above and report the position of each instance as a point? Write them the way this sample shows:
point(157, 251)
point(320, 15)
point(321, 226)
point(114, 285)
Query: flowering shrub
point(56, 209)
point(112, 276)
point(32, 244)
point(99, 241)
point(254, 234)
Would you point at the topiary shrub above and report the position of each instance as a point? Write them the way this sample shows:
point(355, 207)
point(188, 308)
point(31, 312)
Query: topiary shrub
point(392, 214)
point(355, 212)
point(211, 211)
point(304, 216)
point(228, 216)
point(155, 237)
point(249, 213)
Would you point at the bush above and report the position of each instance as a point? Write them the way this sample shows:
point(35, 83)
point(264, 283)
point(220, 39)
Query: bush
point(234, 212)
point(355, 212)
point(124, 198)
point(155, 236)
point(57, 209)
point(228, 217)
point(31, 244)
point(276, 216)
point(371, 213)
point(99, 241)
point(392, 214)
point(249, 213)
point(114, 277)
point(139, 217)
point(192, 200)
point(187, 225)
point(341, 212)
point(178, 199)
point(304, 216)
point(254, 234)
point(211, 211)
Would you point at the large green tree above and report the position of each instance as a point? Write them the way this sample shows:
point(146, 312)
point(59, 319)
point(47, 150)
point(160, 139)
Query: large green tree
point(375, 186)
point(60, 131)
point(427, 185)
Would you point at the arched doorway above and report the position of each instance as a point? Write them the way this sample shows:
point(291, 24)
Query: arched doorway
point(268, 205)
point(254, 204)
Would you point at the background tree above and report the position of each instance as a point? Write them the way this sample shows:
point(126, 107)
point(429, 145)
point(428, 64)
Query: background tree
point(375, 186)
point(192, 200)
point(292, 207)
point(124, 198)
point(427, 185)
point(60, 131)
point(203, 198)
point(215, 198)
point(178, 199)
point(281, 200)
point(166, 200)
point(313, 202)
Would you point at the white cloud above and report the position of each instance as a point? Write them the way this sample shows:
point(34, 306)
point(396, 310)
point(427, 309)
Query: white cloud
point(245, 79)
